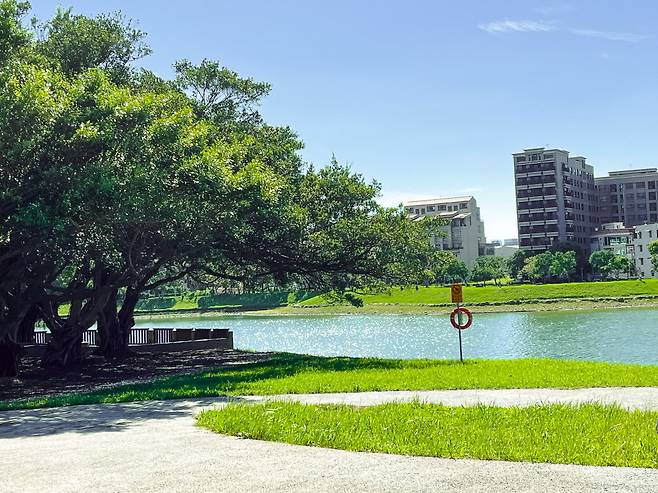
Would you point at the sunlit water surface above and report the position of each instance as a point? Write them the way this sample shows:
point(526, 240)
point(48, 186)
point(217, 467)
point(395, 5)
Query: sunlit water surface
point(615, 335)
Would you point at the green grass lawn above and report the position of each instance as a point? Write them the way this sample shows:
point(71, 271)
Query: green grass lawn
point(292, 373)
point(507, 293)
point(586, 434)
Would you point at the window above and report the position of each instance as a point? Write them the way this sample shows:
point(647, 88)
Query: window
point(640, 184)
point(520, 159)
point(613, 187)
point(463, 206)
point(641, 196)
point(628, 186)
point(442, 207)
point(652, 207)
point(641, 260)
point(639, 236)
point(652, 185)
point(430, 208)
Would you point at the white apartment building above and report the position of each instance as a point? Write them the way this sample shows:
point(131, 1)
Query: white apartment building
point(614, 237)
point(464, 235)
point(644, 234)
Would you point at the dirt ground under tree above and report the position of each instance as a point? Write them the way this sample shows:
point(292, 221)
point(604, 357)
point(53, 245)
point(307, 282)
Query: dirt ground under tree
point(97, 373)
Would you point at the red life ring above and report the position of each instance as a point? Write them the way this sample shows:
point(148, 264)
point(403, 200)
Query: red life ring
point(454, 320)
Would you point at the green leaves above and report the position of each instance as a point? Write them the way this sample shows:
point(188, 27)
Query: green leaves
point(220, 94)
point(13, 36)
point(608, 264)
point(550, 265)
point(76, 43)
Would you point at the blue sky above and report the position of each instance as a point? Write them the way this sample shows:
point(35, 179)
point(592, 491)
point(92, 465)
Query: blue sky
point(430, 97)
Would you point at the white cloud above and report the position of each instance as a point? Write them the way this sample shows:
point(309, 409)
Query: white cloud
point(523, 26)
point(610, 35)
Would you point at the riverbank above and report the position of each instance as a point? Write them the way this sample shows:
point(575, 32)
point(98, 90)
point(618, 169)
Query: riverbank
point(418, 300)
point(526, 306)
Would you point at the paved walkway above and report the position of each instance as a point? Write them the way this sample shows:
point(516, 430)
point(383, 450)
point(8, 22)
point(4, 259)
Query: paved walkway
point(154, 446)
point(628, 397)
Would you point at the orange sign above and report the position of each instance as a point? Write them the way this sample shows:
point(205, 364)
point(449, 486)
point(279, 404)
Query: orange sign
point(457, 296)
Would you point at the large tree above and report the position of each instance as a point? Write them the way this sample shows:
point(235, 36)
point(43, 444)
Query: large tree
point(119, 181)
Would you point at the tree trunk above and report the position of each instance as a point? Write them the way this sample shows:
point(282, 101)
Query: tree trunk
point(115, 325)
point(65, 347)
point(26, 329)
point(10, 353)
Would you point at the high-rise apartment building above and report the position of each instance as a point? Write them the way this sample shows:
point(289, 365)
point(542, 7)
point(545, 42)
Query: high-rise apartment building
point(555, 198)
point(464, 233)
point(629, 197)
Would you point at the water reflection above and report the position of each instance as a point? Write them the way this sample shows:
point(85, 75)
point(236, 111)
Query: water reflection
point(620, 335)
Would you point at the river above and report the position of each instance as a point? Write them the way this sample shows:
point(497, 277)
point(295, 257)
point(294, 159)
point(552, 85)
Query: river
point(626, 335)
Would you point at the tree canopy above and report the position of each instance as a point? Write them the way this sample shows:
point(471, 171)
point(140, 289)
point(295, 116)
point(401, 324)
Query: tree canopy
point(118, 181)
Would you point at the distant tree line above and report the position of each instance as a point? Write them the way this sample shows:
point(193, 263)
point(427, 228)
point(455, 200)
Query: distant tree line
point(564, 262)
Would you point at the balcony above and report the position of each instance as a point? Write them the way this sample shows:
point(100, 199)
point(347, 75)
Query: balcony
point(522, 169)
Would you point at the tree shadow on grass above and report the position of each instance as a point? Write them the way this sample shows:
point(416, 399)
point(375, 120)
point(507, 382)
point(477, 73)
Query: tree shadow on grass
point(97, 418)
point(227, 380)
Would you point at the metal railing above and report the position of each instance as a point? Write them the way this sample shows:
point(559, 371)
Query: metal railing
point(139, 336)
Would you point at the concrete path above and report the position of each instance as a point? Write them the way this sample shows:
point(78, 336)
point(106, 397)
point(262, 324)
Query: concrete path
point(627, 397)
point(154, 446)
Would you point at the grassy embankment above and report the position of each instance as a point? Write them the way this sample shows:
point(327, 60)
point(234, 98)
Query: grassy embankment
point(291, 373)
point(516, 297)
point(586, 434)
point(432, 299)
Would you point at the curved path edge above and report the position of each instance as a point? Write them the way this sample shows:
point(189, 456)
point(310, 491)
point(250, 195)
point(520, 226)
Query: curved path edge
point(632, 398)
point(155, 446)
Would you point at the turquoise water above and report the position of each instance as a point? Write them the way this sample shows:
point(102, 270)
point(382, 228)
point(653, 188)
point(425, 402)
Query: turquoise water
point(616, 335)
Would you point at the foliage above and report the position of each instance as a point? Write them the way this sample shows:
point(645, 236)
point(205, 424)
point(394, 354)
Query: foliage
point(549, 266)
point(220, 93)
point(253, 300)
point(159, 303)
point(583, 434)
point(117, 181)
point(75, 43)
point(489, 268)
point(582, 265)
point(516, 263)
point(12, 34)
point(610, 265)
point(653, 251)
point(445, 267)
